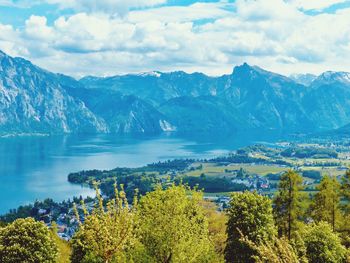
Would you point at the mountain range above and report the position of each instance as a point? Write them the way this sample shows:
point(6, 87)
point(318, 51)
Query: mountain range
point(33, 100)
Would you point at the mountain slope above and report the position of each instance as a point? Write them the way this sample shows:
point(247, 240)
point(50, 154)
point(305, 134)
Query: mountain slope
point(32, 100)
point(203, 114)
point(123, 113)
point(328, 100)
point(267, 100)
point(303, 79)
point(155, 87)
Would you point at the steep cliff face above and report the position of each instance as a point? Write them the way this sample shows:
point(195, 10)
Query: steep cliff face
point(33, 101)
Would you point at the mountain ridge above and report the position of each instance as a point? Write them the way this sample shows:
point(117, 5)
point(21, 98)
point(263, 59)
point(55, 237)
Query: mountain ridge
point(154, 102)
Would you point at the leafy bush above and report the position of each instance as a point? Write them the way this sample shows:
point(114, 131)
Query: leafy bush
point(26, 240)
point(323, 245)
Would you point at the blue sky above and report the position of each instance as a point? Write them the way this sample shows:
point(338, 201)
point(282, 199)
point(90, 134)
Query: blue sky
point(108, 37)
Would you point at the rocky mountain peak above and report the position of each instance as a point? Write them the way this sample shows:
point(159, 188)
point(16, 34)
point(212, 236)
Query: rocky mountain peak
point(331, 77)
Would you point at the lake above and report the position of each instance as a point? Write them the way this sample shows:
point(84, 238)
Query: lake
point(37, 167)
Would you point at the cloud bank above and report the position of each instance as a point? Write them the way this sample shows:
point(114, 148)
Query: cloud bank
point(115, 37)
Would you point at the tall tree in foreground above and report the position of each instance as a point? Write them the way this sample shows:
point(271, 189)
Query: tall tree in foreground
point(345, 196)
point(345, 191)
point(173, 226)
point(326, 202)
point(107, 234)
point(26, 240)
point(289, 203)
point(250, 218)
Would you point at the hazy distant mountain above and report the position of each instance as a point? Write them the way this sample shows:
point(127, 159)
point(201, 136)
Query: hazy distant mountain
point(328, 100)
point(203, 114)
point(35, 100)
point(155, 87)
point(123, 113)
point(249, 97)
point(340, 132)
point(304, 79)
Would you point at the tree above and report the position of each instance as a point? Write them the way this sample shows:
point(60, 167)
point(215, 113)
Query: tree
point(325, 205)
point(323, 245)
point(217, 226)
point(298, 245)
point(250, 217)
point(173, 226)
point(345, 190)
point(64, 249)
point(26, 240)
point(289, 203)
point(107, 234)
point(345, 196)
point(276, 251)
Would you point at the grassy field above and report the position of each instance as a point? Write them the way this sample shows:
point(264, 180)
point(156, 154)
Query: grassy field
point(214, 170)
point(259, 169)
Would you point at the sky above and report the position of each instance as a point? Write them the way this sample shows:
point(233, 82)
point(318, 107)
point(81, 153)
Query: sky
point(113, 37)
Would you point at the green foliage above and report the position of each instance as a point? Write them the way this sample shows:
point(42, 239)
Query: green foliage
point(309, 152)
point(107, 234)
point(298, 245)
point(217, 226)
point(276, 251)
point(173, 226)
point(250, 216)
point(326, 202)
point(313, 174)
point(289, 203)
point(131, 178)
point(345, 192)
point(26, 240)
point(345, 196)
point(323, 245)
point(64, 249)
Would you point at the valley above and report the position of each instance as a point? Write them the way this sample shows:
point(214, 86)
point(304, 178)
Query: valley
point(256, 167)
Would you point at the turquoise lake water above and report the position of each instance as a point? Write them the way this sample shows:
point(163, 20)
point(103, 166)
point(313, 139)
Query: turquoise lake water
point(37, 167)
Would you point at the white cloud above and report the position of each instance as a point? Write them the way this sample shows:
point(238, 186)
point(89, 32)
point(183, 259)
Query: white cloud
point(208, 37)
point(36, 28)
